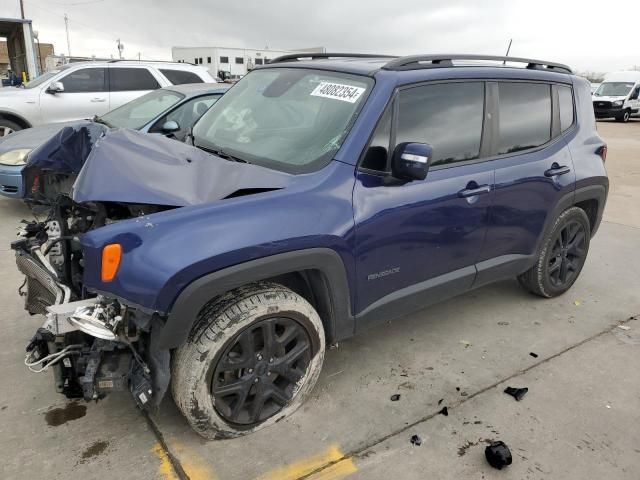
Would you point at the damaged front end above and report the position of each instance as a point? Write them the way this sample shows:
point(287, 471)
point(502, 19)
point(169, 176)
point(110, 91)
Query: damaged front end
point(93, 345)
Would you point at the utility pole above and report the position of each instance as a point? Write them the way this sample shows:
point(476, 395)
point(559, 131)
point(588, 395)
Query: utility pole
point(22, 9)
point(120, 48)
point(66, 26)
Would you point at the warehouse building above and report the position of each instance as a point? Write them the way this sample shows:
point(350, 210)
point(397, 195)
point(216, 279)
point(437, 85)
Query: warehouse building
point(229, 62)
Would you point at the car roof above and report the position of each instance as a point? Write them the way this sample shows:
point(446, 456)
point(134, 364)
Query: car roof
point(370, 65)
point(193, 89)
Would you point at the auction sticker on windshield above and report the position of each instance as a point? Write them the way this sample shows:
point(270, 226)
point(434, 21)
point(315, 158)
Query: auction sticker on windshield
point(346, 93)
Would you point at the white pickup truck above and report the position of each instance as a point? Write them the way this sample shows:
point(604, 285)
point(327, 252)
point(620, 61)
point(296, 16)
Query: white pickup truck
point(82, 90)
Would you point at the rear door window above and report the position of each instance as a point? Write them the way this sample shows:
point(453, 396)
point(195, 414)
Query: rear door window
point(85, 80)
point(131, 79)
point(449, 117)
point(524, 116)
point(179, 77)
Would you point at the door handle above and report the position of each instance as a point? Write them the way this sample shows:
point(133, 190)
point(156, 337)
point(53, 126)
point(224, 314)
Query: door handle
point(472, 192)
point(95, 100)
point(556, 170)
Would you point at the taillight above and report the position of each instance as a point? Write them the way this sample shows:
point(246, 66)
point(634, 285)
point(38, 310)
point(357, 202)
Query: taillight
point(602, 152)
point(111, 255)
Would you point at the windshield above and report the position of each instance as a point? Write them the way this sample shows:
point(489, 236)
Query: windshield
point(614, 89)
point(288, 119)
point(137, 113)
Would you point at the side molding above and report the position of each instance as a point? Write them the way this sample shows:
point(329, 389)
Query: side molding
point(194, 297)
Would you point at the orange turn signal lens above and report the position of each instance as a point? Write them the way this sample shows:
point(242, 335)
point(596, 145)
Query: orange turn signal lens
point(111, 255)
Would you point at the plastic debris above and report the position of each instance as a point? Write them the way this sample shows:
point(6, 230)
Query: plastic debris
point(465, 343)
point(624, 327)
point(577, 303)
point(444, 411)
point(517, 393)
point(534, 355)
point(498, 455)
point(395, 397)
point(416, 440)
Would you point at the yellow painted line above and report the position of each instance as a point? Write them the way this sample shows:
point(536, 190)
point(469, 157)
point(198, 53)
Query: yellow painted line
point(165, 470)
point(305, 466)
point(193, 465)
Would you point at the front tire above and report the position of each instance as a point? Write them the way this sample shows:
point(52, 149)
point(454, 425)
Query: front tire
point(564, 251)
point(624, 118)
point(7, 127)
point(252, 359)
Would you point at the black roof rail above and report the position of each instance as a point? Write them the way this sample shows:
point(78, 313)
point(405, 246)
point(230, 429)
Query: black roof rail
point(415, 62)
point(315, 56)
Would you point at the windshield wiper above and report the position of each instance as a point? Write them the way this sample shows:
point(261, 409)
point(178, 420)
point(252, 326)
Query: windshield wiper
point(220, 153)
point(97, 119)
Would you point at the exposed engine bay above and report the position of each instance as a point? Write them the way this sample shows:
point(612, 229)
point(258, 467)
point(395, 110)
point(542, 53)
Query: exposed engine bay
point(93, 345)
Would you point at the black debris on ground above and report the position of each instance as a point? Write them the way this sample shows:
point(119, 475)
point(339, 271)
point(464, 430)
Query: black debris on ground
point(534, 355)
point(517, 393)
point(440, 401)
point(416, 440)
point(457, 389)
point(444, 411)
point(498, 455)
point(395, 397)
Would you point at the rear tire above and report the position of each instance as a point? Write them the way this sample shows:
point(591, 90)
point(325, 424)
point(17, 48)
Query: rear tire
point(252, 359)
point(7, 127)
point(560, 261)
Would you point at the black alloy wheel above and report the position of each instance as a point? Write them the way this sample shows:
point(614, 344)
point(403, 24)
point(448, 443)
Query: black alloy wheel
point(568, 254)
point(258, 374)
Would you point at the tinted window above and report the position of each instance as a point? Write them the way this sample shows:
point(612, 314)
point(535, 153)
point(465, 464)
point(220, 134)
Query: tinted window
point(565, 100)
point(258, 61)
point(224, 59)
point(208, 59)
point(524, 116)
point(178, 77)
point(85, 80)
point(131, 79)
point(378, 151)
point(239, 60)
point(447, 116)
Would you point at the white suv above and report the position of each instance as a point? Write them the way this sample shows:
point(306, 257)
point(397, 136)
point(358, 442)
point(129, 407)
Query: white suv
point(82, 90)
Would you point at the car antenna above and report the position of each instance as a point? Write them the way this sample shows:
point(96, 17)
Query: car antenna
point(508, 49)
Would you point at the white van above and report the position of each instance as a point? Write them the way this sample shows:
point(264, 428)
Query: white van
point(82, 90)
point(618, 96)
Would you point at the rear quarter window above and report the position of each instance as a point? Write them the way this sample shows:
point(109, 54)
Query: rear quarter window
point(565, 103)
point(524, 116)
point(179, 77)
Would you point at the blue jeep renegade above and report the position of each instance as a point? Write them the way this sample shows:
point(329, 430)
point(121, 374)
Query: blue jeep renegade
point(319, 195)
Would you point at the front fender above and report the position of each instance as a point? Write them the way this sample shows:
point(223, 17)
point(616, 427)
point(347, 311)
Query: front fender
point(193, 298)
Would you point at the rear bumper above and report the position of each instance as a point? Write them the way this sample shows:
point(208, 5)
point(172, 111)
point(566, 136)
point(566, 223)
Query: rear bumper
point(11, 181)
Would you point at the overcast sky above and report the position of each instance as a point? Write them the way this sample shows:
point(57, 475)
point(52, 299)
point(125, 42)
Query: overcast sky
point(587, 35)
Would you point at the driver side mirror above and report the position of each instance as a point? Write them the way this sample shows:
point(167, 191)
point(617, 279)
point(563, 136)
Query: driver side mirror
point(634, 95)
point(411, 161)
point(170, 127)
point(55, 87)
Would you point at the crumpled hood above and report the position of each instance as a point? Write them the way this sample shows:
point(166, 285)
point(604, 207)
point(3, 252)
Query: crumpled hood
point(33, 137)
point(132, 167)
point(67, 148)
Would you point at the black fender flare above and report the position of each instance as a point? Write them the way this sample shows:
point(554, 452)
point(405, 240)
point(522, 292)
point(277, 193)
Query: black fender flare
point(197, 294)
point(590, 192)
